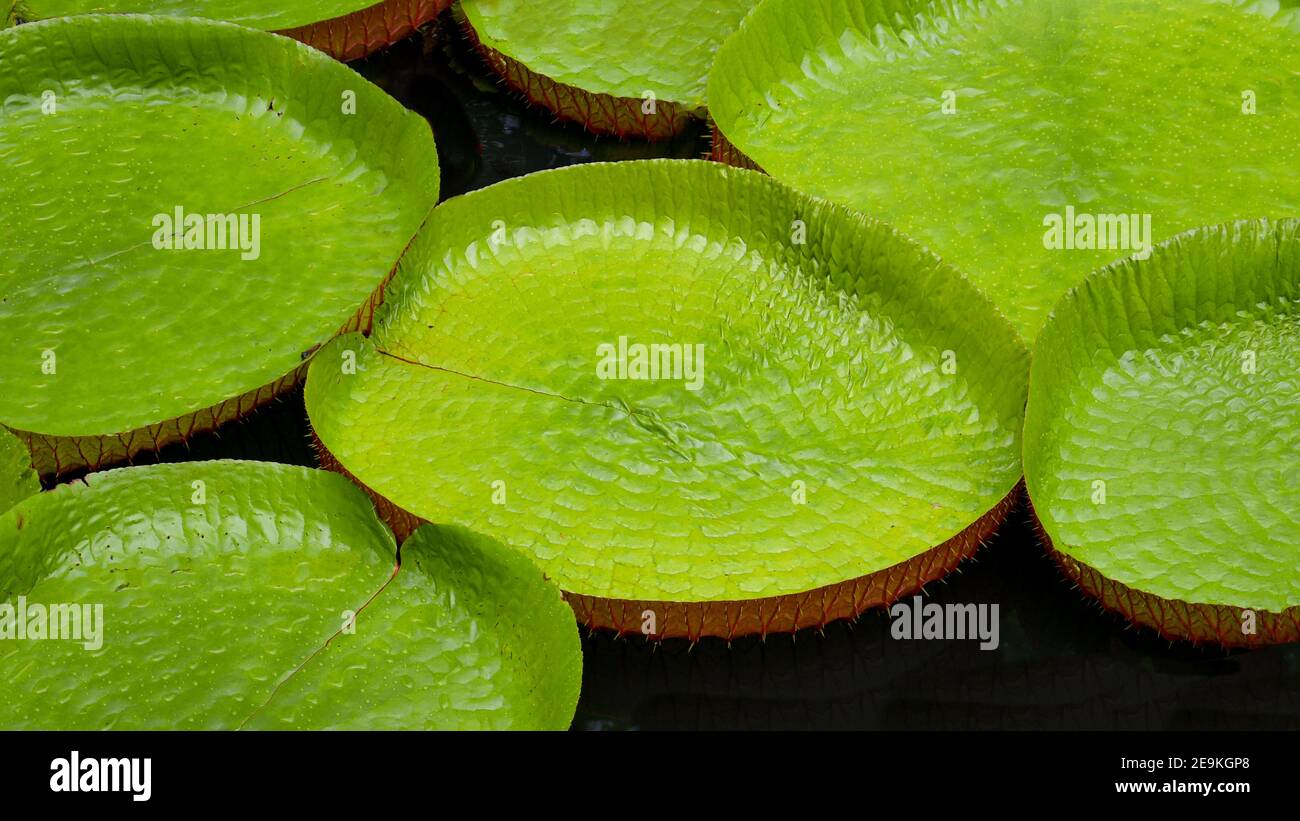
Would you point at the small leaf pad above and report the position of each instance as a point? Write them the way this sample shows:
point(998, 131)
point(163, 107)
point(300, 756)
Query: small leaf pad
point(626, 67)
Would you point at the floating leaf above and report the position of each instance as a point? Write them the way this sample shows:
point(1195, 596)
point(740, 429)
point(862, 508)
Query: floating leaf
point(831, 417)
point(345, 29)
point(190, 208)
point(1026, 143)
point(622, 67)
point(1162, 440)
point(223, 595)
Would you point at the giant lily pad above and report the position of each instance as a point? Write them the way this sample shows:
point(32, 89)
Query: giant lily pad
point(831, 419)
point(622, 67)
point(1027, 143)
point(1163, 431)
point(17, 479)
point(222, 595)
point(123, 325)
point(345, 29)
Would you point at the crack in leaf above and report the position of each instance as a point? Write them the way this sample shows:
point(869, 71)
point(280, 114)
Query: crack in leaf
point(397, 567)
point(181, 233)
point(646, 420)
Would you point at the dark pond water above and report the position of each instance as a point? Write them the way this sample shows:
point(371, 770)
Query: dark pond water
point(1061, 662)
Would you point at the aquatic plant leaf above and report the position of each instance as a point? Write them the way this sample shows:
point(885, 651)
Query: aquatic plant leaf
point(1026, 143)
point(190, 207)
point(624, 67)
point(829, 401)
point(344, 29)
point(1163, 431)
point(246, 594)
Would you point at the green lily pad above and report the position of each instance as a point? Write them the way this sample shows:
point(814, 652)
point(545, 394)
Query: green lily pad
point(245, 594)
point(1163, 430)
point(621, 66)
point(113, 123)
point(856, 403)
point(17, 479)
point(987, 129)
point(345, 29)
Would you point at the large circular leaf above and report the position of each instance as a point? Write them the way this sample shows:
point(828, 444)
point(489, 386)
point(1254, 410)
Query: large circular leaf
point(126, 323)
point(830, 418)
point(1027, 143)
point(220, 595)
point(346, 29)
point(621, 66)
point(1163, 434)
